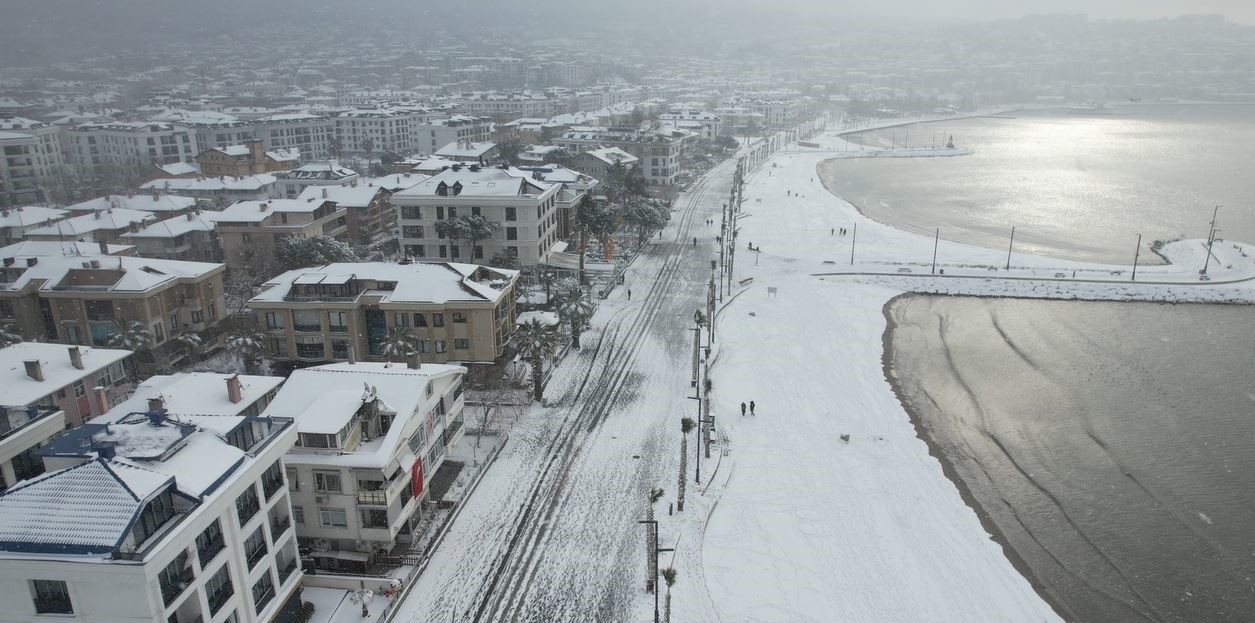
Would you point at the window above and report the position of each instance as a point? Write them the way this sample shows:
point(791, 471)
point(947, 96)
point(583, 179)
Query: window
point(159, 332)
point(327, 482)
point(412, 213)
point(443, 251)
point(511, 215)
point(420, 320)
point(412, 231)
point(278, 346)
point(437, 320)
point(213, 311)
point(209, 543)
point(333, 518)
point(374, 517)
point(461, 343)
point(255, 547)
point(293, 483)
point(453, 212)
point(439, 213)
point(196, 316)
point(511, 233)
point(440, 346)
point(247, 505)
point(455, 251)
point(263, 592)
point(338, 321)
point(402, 319)
point(79, 390)
point(298, 513)
point(415, 250)
point(274, 320)
point(51, 597)
point(475, 211)
point(174, 322)
point(219, 589)
point(479, 252)
point(459, 317)
point(155, 515)
point(175, 578)
point(272, 479)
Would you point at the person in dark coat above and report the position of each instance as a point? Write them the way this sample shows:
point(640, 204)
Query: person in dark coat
point(742, 409)
point(751, 407)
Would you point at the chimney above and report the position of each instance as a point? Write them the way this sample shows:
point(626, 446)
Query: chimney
point(34, 369)
point(262, 207)
point(99, 400)
point(96, 214)
point(76, 357)
point(235, 391)
point(414, 362)
point(156, 404)
point(324, 193)
point(352, 355)
point(191, 216)
point(104, 247)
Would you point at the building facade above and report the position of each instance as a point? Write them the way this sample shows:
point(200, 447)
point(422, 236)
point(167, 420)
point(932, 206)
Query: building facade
point(249, 231)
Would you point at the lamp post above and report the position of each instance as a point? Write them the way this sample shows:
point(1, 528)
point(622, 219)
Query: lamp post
point(936, 239)
point(656, 550)
point(697, 450)
point(1211, 239)
point(1137, 250)
point(1012, 244)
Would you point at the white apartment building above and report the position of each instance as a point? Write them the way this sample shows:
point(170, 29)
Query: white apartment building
point(31, 164)
point(437, 133)
point(221, 190)
point(171, 508)
point(100, 226)
point(705, 124)
point(309, 133)
point(119, 153)
point(327, 173)
point(388, 129)
point(524, 207)
point(371, 436)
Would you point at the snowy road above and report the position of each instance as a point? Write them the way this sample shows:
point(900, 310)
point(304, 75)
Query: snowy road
point(551, 533)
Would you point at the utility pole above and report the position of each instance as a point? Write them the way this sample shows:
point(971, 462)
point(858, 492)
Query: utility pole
point(1009, 247)
point(853, 241)
point(1136, 251)
point(1211, 239)
point(655, 550)
point(936, 239)
point(697, 450)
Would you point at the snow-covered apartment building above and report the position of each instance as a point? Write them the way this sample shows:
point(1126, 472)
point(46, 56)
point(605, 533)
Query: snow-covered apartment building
point(432, 135)
point(31, 164)
point(388, 129)
point(659, 152)
point(249, 231)
point(371, 437)
point(170, 508)
point(119, 153)
point(16, 221)
point(343, 312)
point(525, 209)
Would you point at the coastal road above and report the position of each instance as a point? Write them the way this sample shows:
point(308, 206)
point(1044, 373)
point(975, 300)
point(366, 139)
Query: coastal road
point(551, 532)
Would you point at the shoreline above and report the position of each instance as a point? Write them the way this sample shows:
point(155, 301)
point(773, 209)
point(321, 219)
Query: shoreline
point(947, 466)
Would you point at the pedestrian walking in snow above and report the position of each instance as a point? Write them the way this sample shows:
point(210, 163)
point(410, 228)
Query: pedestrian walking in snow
point(629, 294)
point(751, 407)
point(742, 409)
point(832, 231)
point(694, 240)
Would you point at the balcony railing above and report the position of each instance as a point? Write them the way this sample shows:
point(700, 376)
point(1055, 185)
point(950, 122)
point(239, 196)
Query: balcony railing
point(256, 555)
point(247, 510)
point(210, 550)
point(278, 526)
point(217, 599)
point(286, 570)
point(309, 328)
point(337, 328)
point(271, 486)
point(15, 418)
point(170, 592)
point(265, 598)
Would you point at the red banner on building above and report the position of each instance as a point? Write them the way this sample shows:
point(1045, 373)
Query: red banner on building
point(416, 477)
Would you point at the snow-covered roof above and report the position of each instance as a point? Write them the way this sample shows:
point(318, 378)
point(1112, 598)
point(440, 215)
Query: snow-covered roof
point(23, 249)
point(21, 124)
point(199, 398)
point(143, 202)
point(612, 156)
point(179, 168)
point(396, 182)
point(115, 273)
point(351, 196)
point(108, 220)
point(554, 174)
point(85, 509)
point(257, 211)
point(434, 283)
point(256, 182)
point(537, 153)
point(197, 117)
point(290, 154)
point(465, 149)
point(547, 318)
point(19, 389)
point(328, 170)
point(27, 216)
point(6, 135)
point(177, 226)
point(478, 181)
point(323, 399)
point(233, 150)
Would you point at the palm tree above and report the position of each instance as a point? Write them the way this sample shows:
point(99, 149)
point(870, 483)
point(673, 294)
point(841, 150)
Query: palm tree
point(135, 338)
point(476, 228)
point(250, 346)
point(10, 335)
point(400, 342)
point(686, 425)
point(576, 309)
point(368, 146)
point(668, 576)
point(335, 147)
point(537, 340)
point(453, 229)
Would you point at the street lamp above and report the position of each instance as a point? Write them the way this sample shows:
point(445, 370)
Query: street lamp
point(656, 550)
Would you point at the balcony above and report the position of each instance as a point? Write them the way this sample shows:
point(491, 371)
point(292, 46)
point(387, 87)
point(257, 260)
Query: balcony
point(286, 570)
point(307, 328)
point(373, 498)
point(337, 328)
point(255, 556)
point(210, 550)
point(247, 509)
point(264, 598)
point(171, 591)
point(219, 598)
point(13, 419)
point(279, 525)
point(271, 485)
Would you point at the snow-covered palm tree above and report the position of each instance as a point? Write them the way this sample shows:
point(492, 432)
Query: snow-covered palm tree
point(537, 341)
point(192, 342)
point(399, 343)
point(668, 576)
point(10, 335)
point(576, 309)
point(136, 337)
point(250, 346)
point(686, 425)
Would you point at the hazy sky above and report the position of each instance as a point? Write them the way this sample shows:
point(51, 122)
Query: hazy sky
point(1236, 10)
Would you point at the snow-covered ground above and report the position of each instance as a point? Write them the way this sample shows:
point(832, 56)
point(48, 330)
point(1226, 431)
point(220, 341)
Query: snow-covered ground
point(792, 523)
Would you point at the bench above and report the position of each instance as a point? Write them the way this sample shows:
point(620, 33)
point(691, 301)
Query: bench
point(745, 281)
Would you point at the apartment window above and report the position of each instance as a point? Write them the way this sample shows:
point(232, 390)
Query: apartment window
point(159, 332)
point(443, 251)
point(455, 251)
point(459, 317)
point(255, 547)
point(175, 578)
point(420, 320)
point(213, 311)
point(327, 482)
point(475, 211)
point(422, 347)
point(196, 316)
point(298, 514)
point(440, 346)
point(415, 250)
point(209, 543)
point(511, 233)
point(247, 505)
point(338, 322)
point(333, 518)
point(511, 214)
point(51, 597)
point(439, 213)
point(461, 343)
point(278, 346)
point(79, 390)
point(293, 483)
point(437, 320)
point(274, 320)
point(411, 213)
point(174, 322)
point(479, 252)
point(155, 515)
point(412, 231)
point(263, 592)
point(453, 212)
point(307, 320)
point(374, 517)
point(219, 589)
point(402, 319)
point(310, 347)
